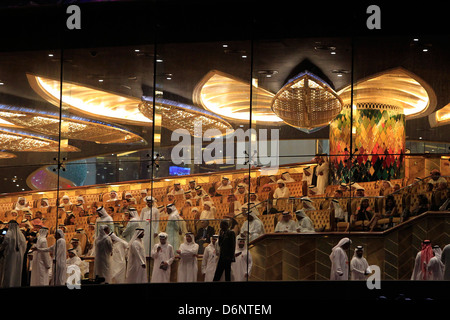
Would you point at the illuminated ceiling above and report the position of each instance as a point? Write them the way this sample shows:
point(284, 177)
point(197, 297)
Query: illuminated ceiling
point(16, 140)
point(229, 97)
point(90, 102)
point(396, 87)
point(71, 127)
point(112, 107)
point(440, 117)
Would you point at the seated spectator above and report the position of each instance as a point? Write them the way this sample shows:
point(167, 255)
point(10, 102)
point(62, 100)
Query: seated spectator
point(177, 190)
point(21, 204)
point(435, 178)
point(439, 196)
point(363, 213)
point(70, 219)
point(252, 227)
point(286, 177)
point(286, 224)
point(386, 188)
point(421, 207)
point(212, 192)
point(234, 206)
point(209, 211)
point(281, 192)
point(389, 210)
point(204, 234)
point(225, 184)
point(241, 190)
point(113, 196)
point(124, 206)
point(304, 222)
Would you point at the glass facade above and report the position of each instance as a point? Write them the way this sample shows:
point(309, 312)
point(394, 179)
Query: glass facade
point(173, 121)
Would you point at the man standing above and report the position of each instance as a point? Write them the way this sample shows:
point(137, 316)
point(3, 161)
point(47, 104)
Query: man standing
point(136, 268)
point(103, 251)
point(13, 249)
point(209, 262)
point(227, 245)
point(435, 266)
point(188, 265)
point(339, 260)
point(41, 263)
point(359, 267)
point(322, 174)
point(242, 267)
point(162, 255)
point(445, 258)
point(423, 257)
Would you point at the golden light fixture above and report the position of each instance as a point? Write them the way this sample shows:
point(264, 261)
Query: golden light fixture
point(7, 155)
point(397, 88)
point(229, 97)
point(116, 108)
point(14, 140)
point(173, 115)
point(71, 127)
point(92, 102)
point(440, 117)
point(306, 101)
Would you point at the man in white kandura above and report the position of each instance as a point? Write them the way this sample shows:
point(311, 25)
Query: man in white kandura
point(41, 261)
point(286, 224)
point(163, 256)
point(188, 265)
point(435, 266)
point(103, 251)
point(322, 173)
point(339, 260)
point(13, 249)
point(210, 258)
point(59, 271)
point(359, 267)
point(137, 267)
point(242, 266)
point(118, 259)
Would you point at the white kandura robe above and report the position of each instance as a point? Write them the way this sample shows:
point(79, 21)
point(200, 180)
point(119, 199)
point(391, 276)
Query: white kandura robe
point(281, 193)
point(435, 266)
point(209, 262)
point(103, 251)
point(136, 258)
point(445, 259)
point(118, 259)
point(286, 226)
point(255, 228)
point(188, 264)
point(59, 271)
point(173, 228)
point(242, 265)
point(13, 247)
point(167, 255)
point(41, 262)
point(339, 262)
point(358, 268)
point(322, 180)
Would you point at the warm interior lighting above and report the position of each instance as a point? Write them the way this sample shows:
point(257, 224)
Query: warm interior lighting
point(306, 101)
point(85, 100)
point(440, 117)
point(14, 140)
point(396, 87)
point(229, 97)
point(71, 127)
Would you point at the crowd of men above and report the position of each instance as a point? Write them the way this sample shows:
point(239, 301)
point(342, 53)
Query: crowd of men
point(121, 251)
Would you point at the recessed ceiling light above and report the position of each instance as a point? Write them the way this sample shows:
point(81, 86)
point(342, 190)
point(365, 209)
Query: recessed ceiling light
point(159, 60)
point(339, 75)
point(244, 56)
point(425, 50)
point(100, 80)
point(333, 52)
point(50, 54)
point(137, 50)
point(225, 46)
point(415, 39)
point(2, 83)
